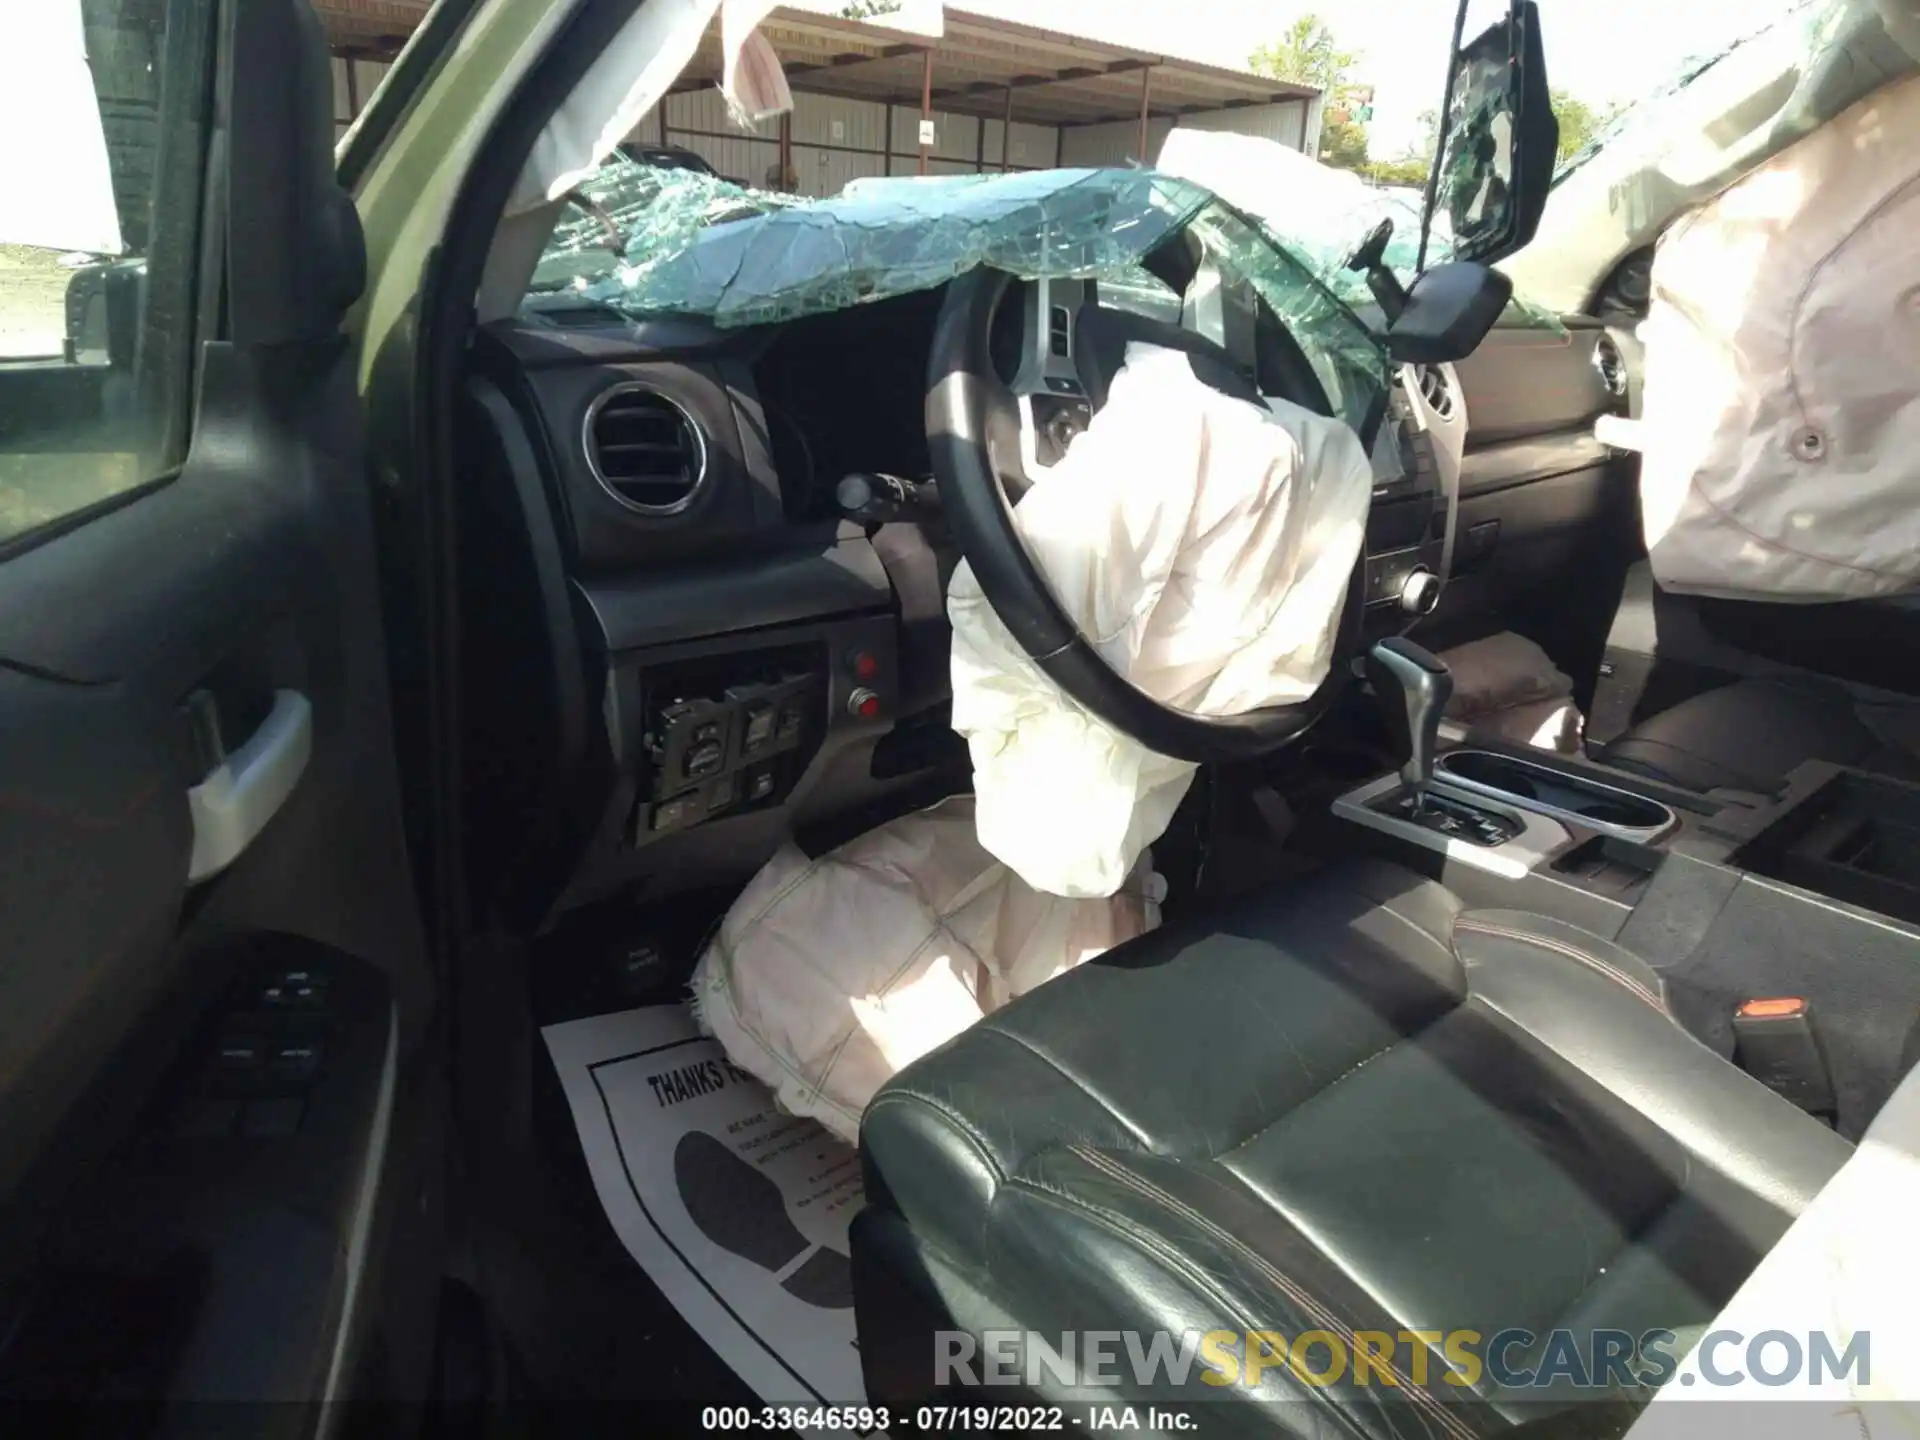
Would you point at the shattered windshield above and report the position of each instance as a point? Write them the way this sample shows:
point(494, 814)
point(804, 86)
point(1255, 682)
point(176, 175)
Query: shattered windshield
point(649, 242)
point(1323, 212)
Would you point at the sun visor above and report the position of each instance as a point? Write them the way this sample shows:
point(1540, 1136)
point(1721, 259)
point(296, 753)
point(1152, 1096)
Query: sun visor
point(634, 74)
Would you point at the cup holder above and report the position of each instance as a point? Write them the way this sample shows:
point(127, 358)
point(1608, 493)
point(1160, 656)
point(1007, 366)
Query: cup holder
point(1557, 792)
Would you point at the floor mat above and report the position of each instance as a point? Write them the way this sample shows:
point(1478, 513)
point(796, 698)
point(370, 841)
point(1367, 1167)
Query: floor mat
point(738, 1212)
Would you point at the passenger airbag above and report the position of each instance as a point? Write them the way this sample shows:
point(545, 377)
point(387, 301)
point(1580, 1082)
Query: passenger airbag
point(1781, 431)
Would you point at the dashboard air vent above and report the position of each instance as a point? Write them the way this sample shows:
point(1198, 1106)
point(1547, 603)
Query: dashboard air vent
point(645, 450)
point(1612, 367)
point(1435, 389)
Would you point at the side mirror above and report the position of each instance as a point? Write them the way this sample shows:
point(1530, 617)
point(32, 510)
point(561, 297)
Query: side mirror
point(103, 313)
point(1497, 141)
point(1448, 312)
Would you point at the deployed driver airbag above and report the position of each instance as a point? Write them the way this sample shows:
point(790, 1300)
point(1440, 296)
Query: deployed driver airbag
point(1204, 546)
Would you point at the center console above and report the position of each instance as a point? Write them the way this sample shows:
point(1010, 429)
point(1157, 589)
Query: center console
point(1562, 793)
point(1847, 835)
point(1812, 896)
point(1508, 827)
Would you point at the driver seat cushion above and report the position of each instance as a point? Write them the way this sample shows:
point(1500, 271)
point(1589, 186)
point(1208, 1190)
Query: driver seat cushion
point(1358, 1108)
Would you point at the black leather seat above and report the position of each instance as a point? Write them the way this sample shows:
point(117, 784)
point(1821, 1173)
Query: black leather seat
point(1750, 735)
point(1358, 1108)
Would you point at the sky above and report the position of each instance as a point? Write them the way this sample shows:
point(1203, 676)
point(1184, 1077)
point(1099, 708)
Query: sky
point(1600, 50)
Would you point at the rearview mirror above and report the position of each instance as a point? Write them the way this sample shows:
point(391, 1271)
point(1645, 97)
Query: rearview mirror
point(1448, 312)
point(1498, 136)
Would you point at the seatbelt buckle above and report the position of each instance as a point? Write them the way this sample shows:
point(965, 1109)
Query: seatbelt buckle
point(1774, 1041)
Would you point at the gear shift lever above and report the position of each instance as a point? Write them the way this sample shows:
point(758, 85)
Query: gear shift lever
point(1414, 686)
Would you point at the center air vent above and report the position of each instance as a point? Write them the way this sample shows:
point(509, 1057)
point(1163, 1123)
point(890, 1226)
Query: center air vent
point(1611, 365)
point(645, 450)
point(1434, 389)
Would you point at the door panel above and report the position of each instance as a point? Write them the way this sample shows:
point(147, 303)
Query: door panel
point(198, 1082)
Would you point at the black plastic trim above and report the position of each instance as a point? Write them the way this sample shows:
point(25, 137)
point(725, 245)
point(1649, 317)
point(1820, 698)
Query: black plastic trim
point(667, 606)
point(535, 517)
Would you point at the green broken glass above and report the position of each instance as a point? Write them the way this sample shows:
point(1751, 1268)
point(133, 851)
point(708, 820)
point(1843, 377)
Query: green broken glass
point(648, 242)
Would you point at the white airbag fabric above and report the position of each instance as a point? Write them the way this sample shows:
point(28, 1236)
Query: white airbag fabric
point(1204, 546)
point(1781, 431)
point(828, 975)
point(1843, 1277)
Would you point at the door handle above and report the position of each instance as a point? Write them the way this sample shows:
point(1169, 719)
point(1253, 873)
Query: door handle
point(232, 805)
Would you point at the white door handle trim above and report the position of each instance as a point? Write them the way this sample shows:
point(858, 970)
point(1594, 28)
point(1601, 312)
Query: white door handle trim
point(233, 804)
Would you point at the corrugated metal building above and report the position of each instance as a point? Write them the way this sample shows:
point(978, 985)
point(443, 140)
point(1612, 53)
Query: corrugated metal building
point(999, 95)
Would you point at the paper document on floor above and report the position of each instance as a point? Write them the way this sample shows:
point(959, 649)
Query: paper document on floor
point(737, 1211)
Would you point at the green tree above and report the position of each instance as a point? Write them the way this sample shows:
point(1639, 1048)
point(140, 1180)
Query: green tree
point(1308, 54)
point(1579, 123)
point(1409, 171)
point(868, 9)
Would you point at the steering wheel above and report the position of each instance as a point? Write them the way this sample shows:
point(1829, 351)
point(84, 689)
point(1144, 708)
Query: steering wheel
point(973, 433)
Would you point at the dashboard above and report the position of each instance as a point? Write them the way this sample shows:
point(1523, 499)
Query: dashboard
point(682, 648)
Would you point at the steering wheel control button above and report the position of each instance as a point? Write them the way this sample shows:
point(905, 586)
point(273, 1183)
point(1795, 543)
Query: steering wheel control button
point(760, 785)
point(241, 1050)
point(863, 704)
point(296, 1060)
point(1420, 591)
point(295, 990)
point(704, 760)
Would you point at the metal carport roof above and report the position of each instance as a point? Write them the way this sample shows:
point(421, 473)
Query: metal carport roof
point(978, 65)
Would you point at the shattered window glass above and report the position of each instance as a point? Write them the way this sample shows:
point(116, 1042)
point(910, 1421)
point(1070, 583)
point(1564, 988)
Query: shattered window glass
point(1348, 360)
point(1321, 214)
point(641, 211)
point(1476, 171)
point(648, 243)
point(1138, 291)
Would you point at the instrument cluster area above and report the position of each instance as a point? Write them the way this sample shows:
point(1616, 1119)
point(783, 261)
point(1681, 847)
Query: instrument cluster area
point(705, 644)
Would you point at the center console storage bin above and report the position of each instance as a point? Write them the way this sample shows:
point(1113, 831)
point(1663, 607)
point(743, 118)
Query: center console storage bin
point(1855, 837)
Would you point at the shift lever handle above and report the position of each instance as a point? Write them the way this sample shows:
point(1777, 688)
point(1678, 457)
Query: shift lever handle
point(1414, 686)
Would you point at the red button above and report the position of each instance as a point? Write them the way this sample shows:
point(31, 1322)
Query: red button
point(870, 707)
point(864, 664)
